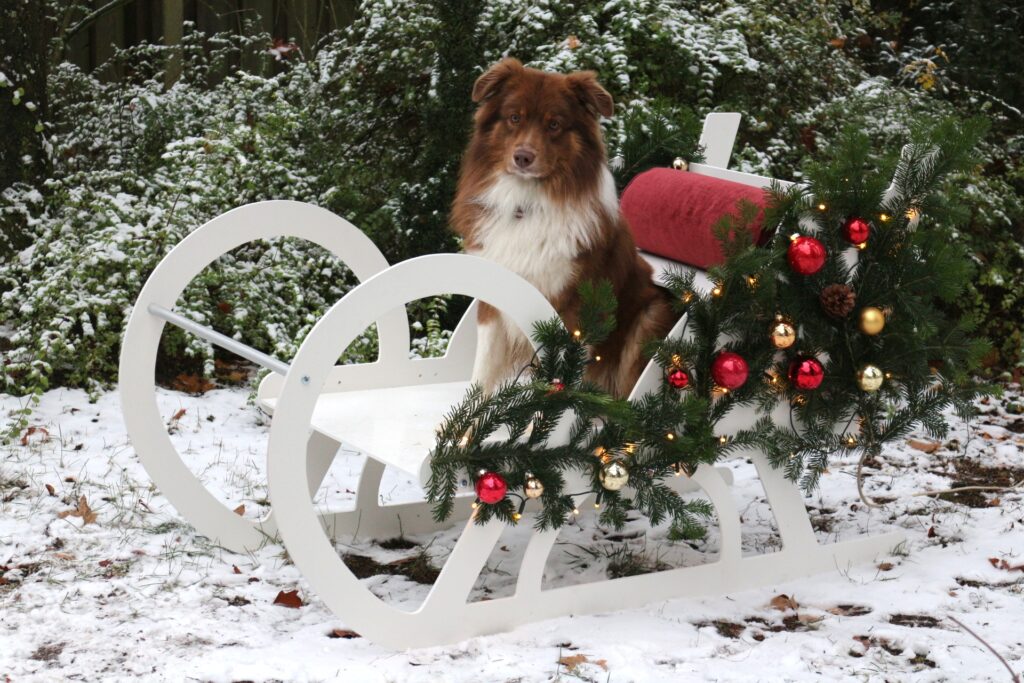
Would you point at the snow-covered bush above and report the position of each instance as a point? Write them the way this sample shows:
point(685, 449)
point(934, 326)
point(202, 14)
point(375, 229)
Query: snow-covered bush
point(371, 124)
point(136, 168)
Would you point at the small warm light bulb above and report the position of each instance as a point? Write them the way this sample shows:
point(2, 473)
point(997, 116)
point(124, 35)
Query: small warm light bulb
point(888, 375)
point(670, 436)
point(474, 505)
point(516, 516)
point(597, 506)
point(851, 440)
point(630, 448)
point(862, 246)
point(794, 237)
point(597, 359)
point(884, 217)
point(716, 290)
point(752, 281)
point(575, 511)
point(577, 334)
point(913, 213)
point(821, 206)
point(600, 451)
point(723, 439)
point(687, 297)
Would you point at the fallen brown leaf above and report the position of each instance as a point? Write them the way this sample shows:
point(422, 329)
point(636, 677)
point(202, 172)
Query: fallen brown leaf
point(50, 490)
point(64, 556)
point(838, 43)
point(1005, 566)
point(240, 510)
point(783, 602)
point(42, 432)
point(83, 511)
point(850, 610)
point(885, 566)
point(931, 532)
point(289, 599)
point(572, 662)
point(923, 445)
point(343, 633)
point(192, 384)
point(235, 569)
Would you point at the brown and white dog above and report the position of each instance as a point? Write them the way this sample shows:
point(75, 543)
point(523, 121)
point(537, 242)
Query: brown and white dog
point(535, 195)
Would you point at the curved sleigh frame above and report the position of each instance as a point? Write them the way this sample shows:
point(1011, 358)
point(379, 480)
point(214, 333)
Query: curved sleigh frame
point(388, 410)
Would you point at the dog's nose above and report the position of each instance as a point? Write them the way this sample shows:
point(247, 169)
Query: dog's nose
point(524, 157)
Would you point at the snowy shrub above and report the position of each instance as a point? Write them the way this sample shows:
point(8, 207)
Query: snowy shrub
point(371, 124)
point(136, 168)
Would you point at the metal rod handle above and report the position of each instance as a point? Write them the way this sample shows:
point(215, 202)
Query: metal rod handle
point(223, 341)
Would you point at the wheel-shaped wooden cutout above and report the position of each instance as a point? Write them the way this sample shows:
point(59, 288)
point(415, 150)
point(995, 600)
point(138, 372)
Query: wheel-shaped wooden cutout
point(442, 617)
point(146, 427)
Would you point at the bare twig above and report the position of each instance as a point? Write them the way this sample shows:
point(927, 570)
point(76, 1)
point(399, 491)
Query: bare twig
point(1015, 677)
point(860, 481)
point(1012, 487)
point(93, 16)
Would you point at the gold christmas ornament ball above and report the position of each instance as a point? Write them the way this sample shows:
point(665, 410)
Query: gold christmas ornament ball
point(533, 488)
point(783, 334)
point(870, 378)
point(680, 164)
point(872, 320)
point(614, 476)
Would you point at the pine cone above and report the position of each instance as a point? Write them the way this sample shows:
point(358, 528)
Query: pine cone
point(838, 300)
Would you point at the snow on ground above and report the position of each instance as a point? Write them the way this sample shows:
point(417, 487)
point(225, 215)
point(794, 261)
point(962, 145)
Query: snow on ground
point(136, 594)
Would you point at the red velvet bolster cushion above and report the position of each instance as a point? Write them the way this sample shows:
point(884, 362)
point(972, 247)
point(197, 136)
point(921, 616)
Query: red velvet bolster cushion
point(671, 213)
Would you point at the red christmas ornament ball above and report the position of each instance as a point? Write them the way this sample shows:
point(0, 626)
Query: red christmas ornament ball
point(729, 370)
point(678, 379)
point(491, 487)
point(856, 230)
point(806, 255)
point(806, 373)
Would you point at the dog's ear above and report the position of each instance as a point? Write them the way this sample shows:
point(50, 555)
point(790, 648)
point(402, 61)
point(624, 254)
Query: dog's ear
point(590, 93)
point(488, 85)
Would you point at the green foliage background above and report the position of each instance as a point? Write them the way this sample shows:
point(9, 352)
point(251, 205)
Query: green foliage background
point(371, 123)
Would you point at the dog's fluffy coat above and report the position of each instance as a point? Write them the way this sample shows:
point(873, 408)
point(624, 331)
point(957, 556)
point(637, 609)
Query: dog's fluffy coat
point(535, 195)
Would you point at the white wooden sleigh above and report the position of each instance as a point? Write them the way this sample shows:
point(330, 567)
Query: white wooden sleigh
point(390, 409)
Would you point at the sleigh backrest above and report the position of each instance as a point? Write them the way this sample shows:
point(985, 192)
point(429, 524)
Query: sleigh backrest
point(671, 212)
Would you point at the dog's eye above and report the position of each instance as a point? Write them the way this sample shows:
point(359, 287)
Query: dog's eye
point(514, 119)
point(554, 125)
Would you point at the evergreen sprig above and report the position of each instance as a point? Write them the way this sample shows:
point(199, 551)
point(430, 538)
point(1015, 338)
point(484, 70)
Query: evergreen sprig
point(908, 269)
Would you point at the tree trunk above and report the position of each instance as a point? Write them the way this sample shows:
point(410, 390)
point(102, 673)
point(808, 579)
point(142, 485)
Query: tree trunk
point(24, 33)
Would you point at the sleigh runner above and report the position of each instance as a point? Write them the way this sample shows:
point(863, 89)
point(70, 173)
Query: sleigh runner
point(390, 409)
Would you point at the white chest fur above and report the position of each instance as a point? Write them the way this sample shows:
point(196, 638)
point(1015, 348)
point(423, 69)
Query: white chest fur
point(523, 230)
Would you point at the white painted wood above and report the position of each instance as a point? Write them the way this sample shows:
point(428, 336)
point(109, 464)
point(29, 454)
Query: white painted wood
point(718, 136)
point(395, 425)
point(389, 410)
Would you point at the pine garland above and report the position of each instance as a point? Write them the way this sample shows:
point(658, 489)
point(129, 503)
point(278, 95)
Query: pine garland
point(904, 273)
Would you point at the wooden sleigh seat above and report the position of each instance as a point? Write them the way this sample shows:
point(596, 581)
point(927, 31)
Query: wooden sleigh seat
point(390, 409)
